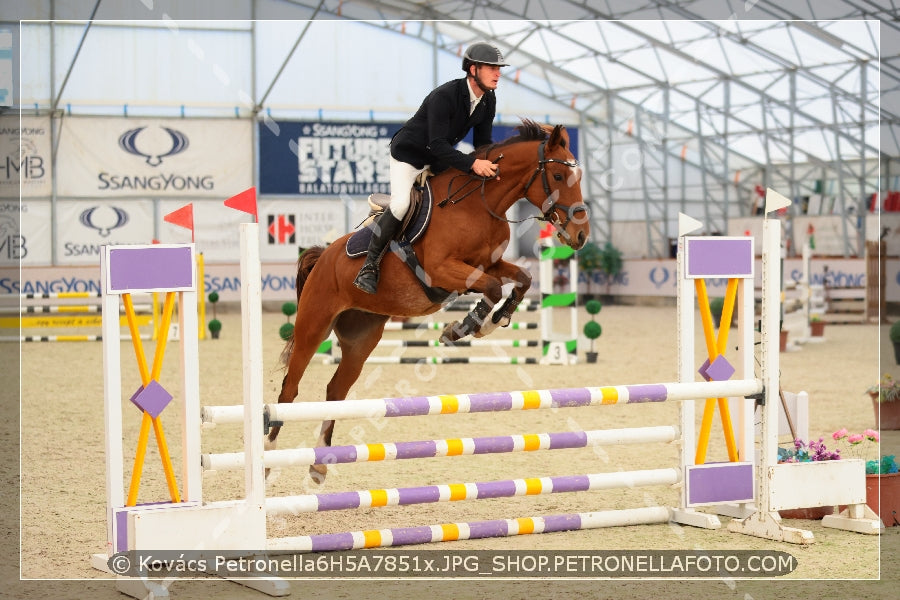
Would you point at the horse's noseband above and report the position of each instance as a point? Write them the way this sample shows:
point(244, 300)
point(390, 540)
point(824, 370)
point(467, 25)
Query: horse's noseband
point(550, 214)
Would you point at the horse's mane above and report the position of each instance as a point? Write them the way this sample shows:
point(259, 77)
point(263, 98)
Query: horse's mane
point(529, 131)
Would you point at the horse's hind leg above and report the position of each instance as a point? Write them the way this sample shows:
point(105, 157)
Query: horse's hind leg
point(358, 333)
point(310, 329)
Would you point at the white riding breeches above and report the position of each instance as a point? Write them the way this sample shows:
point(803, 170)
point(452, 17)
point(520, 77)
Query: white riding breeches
point(403, 176)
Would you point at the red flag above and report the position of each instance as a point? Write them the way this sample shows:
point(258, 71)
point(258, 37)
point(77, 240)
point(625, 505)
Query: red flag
point(245, 202)
point(546, 231)
point(183, 217)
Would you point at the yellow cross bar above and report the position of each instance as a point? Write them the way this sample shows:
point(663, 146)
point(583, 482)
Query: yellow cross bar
point(146, 377)
point(715, 347)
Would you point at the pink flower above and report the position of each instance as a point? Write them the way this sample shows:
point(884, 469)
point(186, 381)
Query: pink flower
point(839, 434)
point(871, 434)
point(856, 438)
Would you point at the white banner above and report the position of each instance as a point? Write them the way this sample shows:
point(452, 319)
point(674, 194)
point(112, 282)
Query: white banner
point(288, 225)
point(25, 232)
point(116, 157)
point(216, 229)
point(85, 226)
point(285, 226)
point(24, 157)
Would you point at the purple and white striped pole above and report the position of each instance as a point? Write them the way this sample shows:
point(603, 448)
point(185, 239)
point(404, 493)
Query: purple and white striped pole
point(292, 505)
point(490, 401)
point(447, 532)
point(327, 455)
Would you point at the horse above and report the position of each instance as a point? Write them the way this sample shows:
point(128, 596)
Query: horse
point(459, 253)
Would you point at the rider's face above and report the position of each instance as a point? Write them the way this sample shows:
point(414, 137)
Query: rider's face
point(487, 75)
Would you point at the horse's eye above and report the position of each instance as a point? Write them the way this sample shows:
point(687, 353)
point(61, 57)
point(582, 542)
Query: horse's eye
point(557, 177)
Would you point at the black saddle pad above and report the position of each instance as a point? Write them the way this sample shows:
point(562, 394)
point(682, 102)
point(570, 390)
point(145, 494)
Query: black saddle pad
point(358, 243)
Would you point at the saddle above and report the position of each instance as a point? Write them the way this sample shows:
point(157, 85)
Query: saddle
point(414, 225)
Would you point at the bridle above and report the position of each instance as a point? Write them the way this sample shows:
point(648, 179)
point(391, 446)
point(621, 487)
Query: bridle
point(550, 214)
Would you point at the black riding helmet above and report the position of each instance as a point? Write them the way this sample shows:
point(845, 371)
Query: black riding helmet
point(482, 53)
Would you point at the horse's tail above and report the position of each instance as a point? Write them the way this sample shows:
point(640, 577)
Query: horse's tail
point(305, 265)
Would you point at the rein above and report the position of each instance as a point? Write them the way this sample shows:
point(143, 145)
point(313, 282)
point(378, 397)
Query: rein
point(541, 170)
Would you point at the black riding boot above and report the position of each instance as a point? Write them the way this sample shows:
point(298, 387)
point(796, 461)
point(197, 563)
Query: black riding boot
point(385, 228)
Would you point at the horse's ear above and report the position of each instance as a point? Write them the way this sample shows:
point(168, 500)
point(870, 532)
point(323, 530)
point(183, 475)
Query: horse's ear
point(558, 137)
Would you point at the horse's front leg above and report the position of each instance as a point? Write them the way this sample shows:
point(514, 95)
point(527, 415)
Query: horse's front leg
point(522, 282)
point(459, 276)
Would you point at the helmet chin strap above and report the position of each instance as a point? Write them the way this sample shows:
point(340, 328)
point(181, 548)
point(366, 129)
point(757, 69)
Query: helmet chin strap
point(478, 81)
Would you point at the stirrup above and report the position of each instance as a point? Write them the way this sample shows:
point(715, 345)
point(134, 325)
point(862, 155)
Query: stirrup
point(367, 278)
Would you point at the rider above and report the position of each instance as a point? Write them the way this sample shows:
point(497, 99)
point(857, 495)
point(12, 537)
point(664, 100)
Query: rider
point(427, 140)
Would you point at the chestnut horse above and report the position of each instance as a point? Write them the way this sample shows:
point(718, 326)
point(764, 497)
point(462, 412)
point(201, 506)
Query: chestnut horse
point(460, 252)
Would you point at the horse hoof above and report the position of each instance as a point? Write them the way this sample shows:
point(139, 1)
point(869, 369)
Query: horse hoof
point(317, 473)
point(449, 334)
point(489, 326)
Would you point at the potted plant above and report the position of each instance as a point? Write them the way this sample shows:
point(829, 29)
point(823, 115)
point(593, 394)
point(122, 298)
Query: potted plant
point(286, 331)
point(716, 306)
point(895, 340)
point(215, 326)
point(816, 326)
point(611, 264)
point(883, 489)
point(886, 402)
point(882, 475)
point(592, 329)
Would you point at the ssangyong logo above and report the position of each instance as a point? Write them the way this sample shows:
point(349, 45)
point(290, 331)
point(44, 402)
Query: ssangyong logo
point(104, 221)
point(153, 144)
point(128, 141)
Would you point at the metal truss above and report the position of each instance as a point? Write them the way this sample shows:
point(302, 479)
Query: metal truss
point(708, 129)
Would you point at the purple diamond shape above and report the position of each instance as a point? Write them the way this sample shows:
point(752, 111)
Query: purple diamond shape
point(151, 399)
point(719, 370)
point(703, 369)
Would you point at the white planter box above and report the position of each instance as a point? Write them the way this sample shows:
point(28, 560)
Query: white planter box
point(827, 483)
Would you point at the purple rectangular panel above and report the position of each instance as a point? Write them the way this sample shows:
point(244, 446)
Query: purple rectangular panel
point(719, 482)
point(121, 531)
point(719, 257)
point(150, 268)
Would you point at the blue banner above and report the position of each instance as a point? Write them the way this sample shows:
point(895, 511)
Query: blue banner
point(313, 158)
